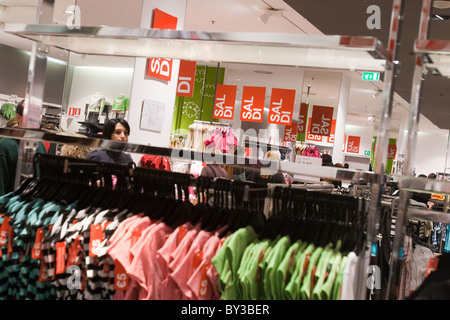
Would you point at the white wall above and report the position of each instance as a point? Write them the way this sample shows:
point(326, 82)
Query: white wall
point(365, 133)
point(110, 82)
point(431, 151)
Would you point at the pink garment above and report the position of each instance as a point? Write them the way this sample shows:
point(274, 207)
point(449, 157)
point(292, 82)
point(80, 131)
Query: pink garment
point(120, 249)
point(145, 268)
point(199, 283)
point(183, 248)
point(189, 263)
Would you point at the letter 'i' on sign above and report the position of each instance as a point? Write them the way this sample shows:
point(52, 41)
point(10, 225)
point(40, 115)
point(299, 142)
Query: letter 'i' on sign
point(252, 108)
point(157, 67)
point(186, 78)
point(225, 102)
point(321, 120)
point(281, 106)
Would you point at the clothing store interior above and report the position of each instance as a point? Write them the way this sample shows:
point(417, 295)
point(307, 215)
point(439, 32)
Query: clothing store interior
point(224, 150)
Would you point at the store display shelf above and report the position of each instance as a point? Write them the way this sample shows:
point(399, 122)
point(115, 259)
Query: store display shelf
point(429, 215)
point(438, 54)
point(423, 185)
point(324, 51)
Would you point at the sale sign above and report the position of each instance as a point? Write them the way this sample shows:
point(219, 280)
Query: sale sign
point(303, 115)
point(392, 150)
point(290, 132)
point(186, 78)
point(252, 108)
point(330, 138)
point(353, 144)
point(313, 137)
point(225, 102)
point(281, 106)
point(157, 67)
point(321, 120)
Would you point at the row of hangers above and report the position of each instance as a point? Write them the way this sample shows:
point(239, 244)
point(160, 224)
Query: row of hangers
point(312, 216)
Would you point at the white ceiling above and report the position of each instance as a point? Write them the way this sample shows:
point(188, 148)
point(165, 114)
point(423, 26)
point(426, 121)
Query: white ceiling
point(219, 15)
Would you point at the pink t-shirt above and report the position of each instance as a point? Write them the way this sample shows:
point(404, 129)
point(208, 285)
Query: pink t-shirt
point(199, 283)
point(120, 250)
point(183, 248)
point(144, 267)
point(189, 263)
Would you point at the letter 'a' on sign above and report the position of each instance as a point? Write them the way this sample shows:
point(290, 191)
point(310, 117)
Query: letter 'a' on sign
point(252, 107)
point(157, 67)
point(281, 106)
point(321, 120)
point(225, 102)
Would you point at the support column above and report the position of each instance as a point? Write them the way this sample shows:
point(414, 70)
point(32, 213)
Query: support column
point(341, 118)
point(34, 94)
point(161, 93)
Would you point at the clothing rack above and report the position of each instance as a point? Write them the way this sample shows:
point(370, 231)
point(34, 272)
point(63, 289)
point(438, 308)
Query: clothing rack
point(211, 123)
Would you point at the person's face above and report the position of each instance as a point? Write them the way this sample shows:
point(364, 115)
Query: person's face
point(120, 133)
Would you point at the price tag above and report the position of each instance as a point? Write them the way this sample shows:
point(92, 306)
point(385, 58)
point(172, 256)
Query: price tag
point(60, 257)
point(121, 278)
point(96, 238)
point(36, 252)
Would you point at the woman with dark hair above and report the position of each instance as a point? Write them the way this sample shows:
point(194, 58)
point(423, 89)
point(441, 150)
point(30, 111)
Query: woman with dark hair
point(116, 129)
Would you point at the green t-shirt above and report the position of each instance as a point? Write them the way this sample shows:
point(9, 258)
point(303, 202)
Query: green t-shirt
point(272, 286)
point(285, 269)
point(336, 294)
point(227, 263)
point(292, 289)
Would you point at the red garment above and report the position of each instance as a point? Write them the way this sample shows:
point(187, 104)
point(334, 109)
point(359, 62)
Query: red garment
point(157, 162)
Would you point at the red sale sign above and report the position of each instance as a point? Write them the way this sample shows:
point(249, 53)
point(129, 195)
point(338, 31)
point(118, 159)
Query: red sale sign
point(392, 150)
point(281, 106)
point(353, 144)
point(313, 137)
point(330, 138)
point(303, 115)
point(157, 67)
point(321, 120)
point(186, 78)
point(290, 132)
point(252, 108)
point(225, 101)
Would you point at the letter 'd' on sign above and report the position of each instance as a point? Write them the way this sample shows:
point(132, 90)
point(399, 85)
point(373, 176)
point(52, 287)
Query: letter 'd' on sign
point(321, 120)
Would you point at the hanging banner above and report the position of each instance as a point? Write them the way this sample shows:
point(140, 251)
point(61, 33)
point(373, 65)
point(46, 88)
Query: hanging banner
point(303, 115)
point(353, 144)
point(312, 137)
point(225, 102)
point(330, 138)
point(186, 78)
point(392, 150)
point(157, 67)
point(290, 132)
point(252, 108)
point(321, 120)
point(281, 106)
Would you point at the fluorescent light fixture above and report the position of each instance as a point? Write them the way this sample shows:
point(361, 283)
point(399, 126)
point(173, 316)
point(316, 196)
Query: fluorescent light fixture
point(439, 17)
point(69, 11)
point(370, 117)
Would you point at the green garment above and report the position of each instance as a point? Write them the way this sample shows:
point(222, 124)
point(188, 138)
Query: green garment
point(271, 286)
point(9, 152)
point(292, 288)
point(228, 259)
point(285, 269)
point(336, 294)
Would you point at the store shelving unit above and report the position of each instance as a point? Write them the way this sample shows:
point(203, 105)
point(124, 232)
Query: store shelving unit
point(327, 52)
point(430, 55)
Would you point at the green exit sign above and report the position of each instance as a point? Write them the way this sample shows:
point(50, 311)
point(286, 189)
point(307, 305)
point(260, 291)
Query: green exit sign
point(371, 76)
point(367, 153)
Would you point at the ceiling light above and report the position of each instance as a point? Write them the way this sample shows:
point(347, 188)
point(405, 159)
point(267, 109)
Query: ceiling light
point(69, 11)
point(439, 17)
point(370, 117)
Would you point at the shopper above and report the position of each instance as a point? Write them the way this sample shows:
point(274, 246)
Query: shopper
point(9, 152)
point(265, 176)
point(116, 129)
